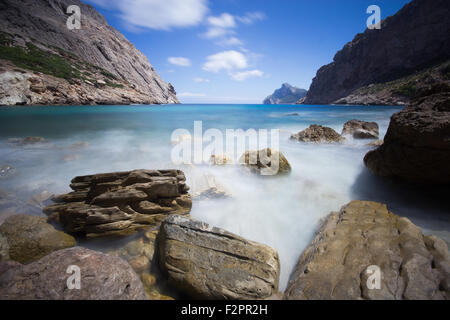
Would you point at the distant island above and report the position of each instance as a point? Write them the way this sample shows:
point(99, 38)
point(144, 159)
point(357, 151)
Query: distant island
point(287, 94)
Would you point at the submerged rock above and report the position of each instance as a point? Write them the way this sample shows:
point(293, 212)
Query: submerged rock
point(318, 134)
point(103, 277)
point(341, 258)
point(266, 162)
point(205, 186)
point(121, 203)
point(27, 141)
point(361, 129)
point(417, 145)
point(6, 171)
point(31, 238)
point(206, 262)
point(220, 160)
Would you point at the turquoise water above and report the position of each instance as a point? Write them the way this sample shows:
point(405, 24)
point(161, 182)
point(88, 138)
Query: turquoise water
point(281, 212)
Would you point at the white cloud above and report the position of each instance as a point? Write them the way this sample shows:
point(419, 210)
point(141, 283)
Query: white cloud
point(233, 41)
point(158, 14)
point(226, 60)
point(201, 80)
point(251, 17)
point(213, 33)
point(179, 61)
point(225, 20)
point(241, 76)
point(191, 95)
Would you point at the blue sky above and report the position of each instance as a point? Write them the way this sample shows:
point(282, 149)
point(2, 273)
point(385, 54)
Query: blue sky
point(239, 51)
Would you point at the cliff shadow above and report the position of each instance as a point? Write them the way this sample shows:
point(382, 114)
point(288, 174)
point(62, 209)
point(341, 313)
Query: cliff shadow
point(426, 206)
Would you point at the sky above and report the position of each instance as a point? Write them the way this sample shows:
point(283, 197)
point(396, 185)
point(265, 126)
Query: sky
point(239, 51)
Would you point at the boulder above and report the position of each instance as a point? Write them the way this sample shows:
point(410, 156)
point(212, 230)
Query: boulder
point(220, 160)
point(266, 162)
point(361, 129)
point(121, 203)
point(375, 144)
point(206, 262)
point(31, 238)
point(350, 246)
point(318, 134)
point(102, 277)
point(417, 144)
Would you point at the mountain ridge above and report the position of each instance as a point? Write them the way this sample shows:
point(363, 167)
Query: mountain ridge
point(287, 94)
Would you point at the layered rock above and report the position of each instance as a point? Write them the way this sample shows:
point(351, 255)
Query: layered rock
point(206, 262)
point(318, 134)
point(363, 237)
point(266, 162)
point(287, 94)
point(121, 203)
point(93, 65)
point(361, 129)
point(414, 38)
point(31, 238)
point(417, 145)
point(103, 277)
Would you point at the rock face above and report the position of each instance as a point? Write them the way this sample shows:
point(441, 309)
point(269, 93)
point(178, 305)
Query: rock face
point(103, 277)
point(210, 263)
point(122, 202)
point(414, 38)
point(336, 264)
point(287, 94)
point(31, 238)
point(318, 134)
point(417, 145)
point(93, 65)
point(361, 129)
point(266, 162)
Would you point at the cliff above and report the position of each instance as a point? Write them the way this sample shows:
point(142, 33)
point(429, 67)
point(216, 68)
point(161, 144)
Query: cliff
point(43, 62)
point(287, 94)
point(413, 39)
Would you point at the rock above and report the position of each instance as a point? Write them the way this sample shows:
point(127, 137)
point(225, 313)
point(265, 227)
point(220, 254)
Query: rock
point(31, 238)
point(417, 145)
point(318, 134)
point(287, 94)
point(98, 52)
point(121, 203)
point(266, 162)
point(400, 48)
point(375, 144)
point(336, 264)
point(220, 160)
point(4, 248)
point(206, 262)
point(6, 171)
point(103, 277)
point(41, 200)
point(206, 187)
point(361, 129)
point(27, 141)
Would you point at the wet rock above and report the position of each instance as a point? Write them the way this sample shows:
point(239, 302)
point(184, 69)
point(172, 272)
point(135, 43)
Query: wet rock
point(417, 145)
point(121, 203)
point(31, 238)
point(361, 129)
point(6, 171)
point(205, 187)
point(103, 277)
point(339, 261)
point(318, 134)
point(210, 263)
point(266, 162)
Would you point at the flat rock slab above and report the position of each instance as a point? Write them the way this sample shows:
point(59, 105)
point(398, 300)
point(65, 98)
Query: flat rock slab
point(340, 259)
point(30, 238)
point(102, 277)
point(121, 203)
point(206, 262)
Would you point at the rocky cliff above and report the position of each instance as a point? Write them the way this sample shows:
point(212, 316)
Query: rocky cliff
point(287, 94)
point(413, 39)
point(43, 62)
